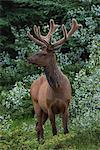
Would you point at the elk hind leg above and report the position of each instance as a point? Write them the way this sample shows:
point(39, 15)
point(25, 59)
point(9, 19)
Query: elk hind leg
point(44, 118)
point(51, 116)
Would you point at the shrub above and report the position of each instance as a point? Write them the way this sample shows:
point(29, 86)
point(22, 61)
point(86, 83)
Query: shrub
point(13, 70)
point(17, 101)
point(85, 105)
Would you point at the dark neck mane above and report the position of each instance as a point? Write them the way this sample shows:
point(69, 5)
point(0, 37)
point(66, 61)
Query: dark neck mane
point(53, 74)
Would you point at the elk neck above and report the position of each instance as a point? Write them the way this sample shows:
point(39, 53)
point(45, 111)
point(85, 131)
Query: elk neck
point(53, 73)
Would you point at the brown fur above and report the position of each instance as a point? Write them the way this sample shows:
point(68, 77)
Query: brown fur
point(51, 93)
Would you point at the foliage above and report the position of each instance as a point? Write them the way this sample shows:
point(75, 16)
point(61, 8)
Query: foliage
point(12, 70)
point(21, 135)
point(84, 40)
point(3, 22)
point(16, 99)
point(89, 1)
point(76, 50)
point(79, 59)
point(16, 102)
point(72, 141)
point(85, 105)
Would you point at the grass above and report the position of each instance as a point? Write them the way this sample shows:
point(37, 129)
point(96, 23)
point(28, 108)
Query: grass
point(20, 135)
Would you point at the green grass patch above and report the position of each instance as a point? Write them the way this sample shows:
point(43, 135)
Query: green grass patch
point(21, 135)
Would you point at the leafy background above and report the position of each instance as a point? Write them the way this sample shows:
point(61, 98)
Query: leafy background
point(78, 58)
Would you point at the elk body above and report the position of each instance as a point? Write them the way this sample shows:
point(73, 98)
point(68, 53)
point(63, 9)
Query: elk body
point(50, 93)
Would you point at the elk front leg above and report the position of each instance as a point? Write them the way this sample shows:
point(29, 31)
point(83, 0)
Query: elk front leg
point(39, 125)
point(51, 116)
point(65, 121)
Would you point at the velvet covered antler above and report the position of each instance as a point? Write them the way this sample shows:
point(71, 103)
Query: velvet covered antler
point(74, 27)
point(40, 39)
point(44, 41)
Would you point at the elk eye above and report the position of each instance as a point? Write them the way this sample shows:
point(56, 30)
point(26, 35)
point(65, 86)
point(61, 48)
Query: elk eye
point(37, 54)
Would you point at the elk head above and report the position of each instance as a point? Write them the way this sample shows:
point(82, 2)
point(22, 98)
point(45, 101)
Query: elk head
point(47, 53)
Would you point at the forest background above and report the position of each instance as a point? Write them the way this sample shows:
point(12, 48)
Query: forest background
point(78, 58)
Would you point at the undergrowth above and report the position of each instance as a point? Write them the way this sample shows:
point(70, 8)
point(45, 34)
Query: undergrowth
point(21, 135)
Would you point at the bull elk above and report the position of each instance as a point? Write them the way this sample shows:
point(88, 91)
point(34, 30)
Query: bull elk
point(50, 93)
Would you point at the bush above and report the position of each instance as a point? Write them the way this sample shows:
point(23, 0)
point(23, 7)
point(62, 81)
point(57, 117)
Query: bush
point(14, 70)
point(85, 104)
point(76, 50)
point(21, 135)
point(17, 101)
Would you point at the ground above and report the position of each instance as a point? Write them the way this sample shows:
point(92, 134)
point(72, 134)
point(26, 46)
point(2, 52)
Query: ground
point(21, 135)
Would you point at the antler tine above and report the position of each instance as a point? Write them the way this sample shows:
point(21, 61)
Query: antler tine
point(61, 41)
point(45, 39)
point(52, 29)
point(42, 38)
point(38, 34)
point(36, 40)
point(35, 30)
point(74, 27)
